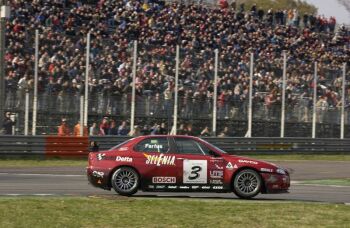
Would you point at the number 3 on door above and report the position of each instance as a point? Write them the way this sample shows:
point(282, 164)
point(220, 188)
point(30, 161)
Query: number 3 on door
point(195, 172)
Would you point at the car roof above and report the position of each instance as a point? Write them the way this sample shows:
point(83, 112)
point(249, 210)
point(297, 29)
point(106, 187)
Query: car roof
point(163, 136)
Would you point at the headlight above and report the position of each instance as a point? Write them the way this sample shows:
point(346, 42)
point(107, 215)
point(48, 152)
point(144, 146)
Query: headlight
point(281, 171)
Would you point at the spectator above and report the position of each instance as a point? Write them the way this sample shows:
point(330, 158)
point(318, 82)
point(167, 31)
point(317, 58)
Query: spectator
point(7, 124)
point(136, 132)
point(104, 126)
point(94, 130)
point(113, 130)
point(205, 132)
point(63, 129)
point(76, 131)
point(123, 129)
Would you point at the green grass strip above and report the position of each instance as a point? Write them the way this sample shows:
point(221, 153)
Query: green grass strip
point(115, 211)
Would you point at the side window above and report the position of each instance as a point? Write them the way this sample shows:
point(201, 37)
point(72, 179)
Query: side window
point(189, 146)
point(160, 145)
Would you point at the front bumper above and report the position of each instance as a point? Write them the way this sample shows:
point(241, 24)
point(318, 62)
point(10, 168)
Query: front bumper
point(276, 183)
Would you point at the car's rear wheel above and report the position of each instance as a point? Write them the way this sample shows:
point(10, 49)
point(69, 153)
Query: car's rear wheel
point(247, 184)
point(125, 181)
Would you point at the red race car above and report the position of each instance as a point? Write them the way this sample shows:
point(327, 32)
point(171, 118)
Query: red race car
point(182, 163)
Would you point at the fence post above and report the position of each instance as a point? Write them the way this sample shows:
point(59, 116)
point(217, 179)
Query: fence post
point(174, 130)
point(314, 103)
point(250, 97)
point(35, 99)
point(132, 117)
point(342, 120)
point(284, 78)
point(82, 126)
point(215, 95)
point(26, 114)
point(86, 107)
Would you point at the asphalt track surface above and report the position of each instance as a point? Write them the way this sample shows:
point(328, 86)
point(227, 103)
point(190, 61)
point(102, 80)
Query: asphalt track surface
point(71, 181)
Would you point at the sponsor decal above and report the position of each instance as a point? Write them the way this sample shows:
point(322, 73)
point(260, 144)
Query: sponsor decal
point(153, 146)
point(247, 161)
point(159, 159)
point(150, 186)
point(229, 166)
point(162, 180)
point(100, 156)
point(184, 187)
point(266, 170)
point(98, 174)
point(205, 187)
point(123, 159)
point(218, 167)
point(123, 148)
point(195, 187)
point(172, 187)
point(215, 182)
point(216, 174)
point(160, 186)
point(195, 171)
point(218, 187)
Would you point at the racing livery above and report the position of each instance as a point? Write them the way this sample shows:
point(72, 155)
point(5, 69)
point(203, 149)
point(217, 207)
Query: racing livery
point(181, 163)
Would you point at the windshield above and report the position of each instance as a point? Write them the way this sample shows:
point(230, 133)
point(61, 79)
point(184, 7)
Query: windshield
point(217, 148)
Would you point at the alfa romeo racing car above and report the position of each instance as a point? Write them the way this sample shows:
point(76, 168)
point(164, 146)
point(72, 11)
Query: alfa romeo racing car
point(181, 163)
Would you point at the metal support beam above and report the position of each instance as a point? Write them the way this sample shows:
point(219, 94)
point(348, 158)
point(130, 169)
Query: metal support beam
point(215, 95)
point(174, 130)
point(2, 64)
point(35, 99)
point(314, 103)
point(132, 115)
point(86, 97)
point(250, 97)
point(342, 117)
point(284, 78)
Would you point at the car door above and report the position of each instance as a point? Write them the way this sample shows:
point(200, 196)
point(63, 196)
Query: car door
point(159, 167)
point(199, 169)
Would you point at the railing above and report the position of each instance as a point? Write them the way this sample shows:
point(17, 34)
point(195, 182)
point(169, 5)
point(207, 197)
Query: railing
point(74, 147)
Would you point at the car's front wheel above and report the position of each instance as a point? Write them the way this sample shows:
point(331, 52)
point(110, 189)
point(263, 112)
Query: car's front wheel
point(125, 181)
point(247, 184)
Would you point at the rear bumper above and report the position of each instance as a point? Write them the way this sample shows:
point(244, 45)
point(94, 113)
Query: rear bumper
point(276, 183)
point(97, 178)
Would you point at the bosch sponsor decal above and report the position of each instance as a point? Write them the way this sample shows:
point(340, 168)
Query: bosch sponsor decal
point(216, 174)
point(248, 162)
point(215, 182)
point(195, 171)
point(98, 174)
point(230, 166)
point(164, 180)
point(159, 159)
point(123, 159)
point(100, 156)
point(266, 170)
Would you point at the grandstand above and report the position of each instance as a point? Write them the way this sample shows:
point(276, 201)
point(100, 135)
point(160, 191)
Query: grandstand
point(159, 26)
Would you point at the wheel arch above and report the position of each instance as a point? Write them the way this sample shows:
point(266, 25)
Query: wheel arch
point(117, 167)
point(263, 187)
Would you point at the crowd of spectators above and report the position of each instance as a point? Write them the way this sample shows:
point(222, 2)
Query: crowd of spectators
point(158, 27)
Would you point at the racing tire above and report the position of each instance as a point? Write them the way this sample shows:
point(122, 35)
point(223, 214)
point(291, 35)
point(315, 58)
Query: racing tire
point(125, 181)
point(247, 184)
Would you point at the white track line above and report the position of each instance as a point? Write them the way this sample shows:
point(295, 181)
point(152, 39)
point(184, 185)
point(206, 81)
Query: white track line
point(42, 174)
